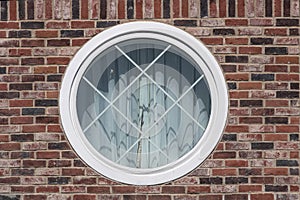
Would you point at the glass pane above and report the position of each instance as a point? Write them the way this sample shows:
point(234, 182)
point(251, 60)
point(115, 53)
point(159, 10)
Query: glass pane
point(155, 116)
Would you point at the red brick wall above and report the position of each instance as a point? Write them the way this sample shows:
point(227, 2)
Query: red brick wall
point(257, 45)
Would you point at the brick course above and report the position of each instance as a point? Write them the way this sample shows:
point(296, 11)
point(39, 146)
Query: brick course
point(257, 45)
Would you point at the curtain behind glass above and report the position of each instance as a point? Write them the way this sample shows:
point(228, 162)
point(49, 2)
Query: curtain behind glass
point(143, 103)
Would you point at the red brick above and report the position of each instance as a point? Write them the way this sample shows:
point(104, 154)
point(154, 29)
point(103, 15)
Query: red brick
point(57, 25)
point(58, 60)
point(82, 24)
point(98, 189)
point(184, 8)
point(287, 59)
point(237, 41)
point(47, 189)
point(276, 171)
point(198, 189)
point(35, 197)
point(275, 137)
point(250, 188)
point(84, 9)
point(236, 22)
point(276, 31)
point(212, 41)
point(21, 120)
point(236, 163)
point(72, 172)
point(9, 25)
point(123, 189)
point(224, 172)
point(287, 129)
point(176, 8)
point(11, 146)
point(22, 189)
point(48, 155)
point(260, 196)
point(173, 189)
point(46, 34)
point(249, 85)
point(250, 50)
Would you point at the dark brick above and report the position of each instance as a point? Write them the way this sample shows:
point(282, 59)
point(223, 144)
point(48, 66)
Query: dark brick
point(103, 9)
point(22, 137)
point(204, 8)
point(251, 103)
point(287, 163)
point(22, 172)
point(276, 51)
point(229, 68)
point(75, 9)
point(58, 145)
point(287, 94)
point(294, 86)
point(216, 180)
point(46, 102)
point(9, 95)
point(32, 25)
point(294, 137)
point(276, 188)
point(229, 137)
point(236, 59)
point(261, 41)
point(72, 33)
point(249, 171)
point(32, 61)
point(287, 22)
point(10, 197)
point(231, 8)
point(33, 111)
point(262, 77)
point(294, 32)
point(58, 42)
point(34, 163)
point(231, 86)
point(294, 171)
point(236, 180)
point(189, 23)
point(21, 10)
point(30, 9)
point(130, 9)
point(262, 145)
point(276, 120)
point(32, 78)
point(47, 120)
point(233, 103)
point(20, 86)
point(19, 34)
point(105, 24)
point(56, 78)
point(78, 163)
point(223, 31)
point(59, 163)
point(21, 155)
point(4, 10)
point(268, 9)
point(2, 70)
point(166, 9)
point(59, 180)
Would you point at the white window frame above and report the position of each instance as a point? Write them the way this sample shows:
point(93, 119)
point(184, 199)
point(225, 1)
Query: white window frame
point(177, 37)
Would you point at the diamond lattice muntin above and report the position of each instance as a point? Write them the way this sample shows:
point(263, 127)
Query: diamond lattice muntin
point(143, 103)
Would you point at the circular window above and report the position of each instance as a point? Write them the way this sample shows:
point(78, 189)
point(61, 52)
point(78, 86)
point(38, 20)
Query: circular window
point(143, 103)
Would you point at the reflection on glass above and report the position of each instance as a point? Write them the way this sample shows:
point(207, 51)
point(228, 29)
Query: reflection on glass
point(143, 103)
